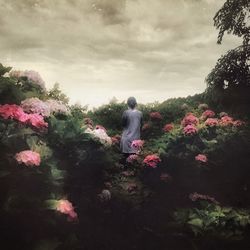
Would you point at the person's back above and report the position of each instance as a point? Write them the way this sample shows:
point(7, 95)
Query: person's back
point(131, 121)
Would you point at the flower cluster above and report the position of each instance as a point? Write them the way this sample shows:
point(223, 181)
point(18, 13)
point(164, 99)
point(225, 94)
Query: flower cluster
point(66, 207)
point(238, 123)
point(208, 114)
point(28, 158)
point(155, 116)
point(101, 135)
point(168, 127)
point(152, 161)
point(100, 127)
point(189, 119)
point(195, 196)
point(56, 106)
point(137, 144)
point(201, 158)
point(211, 122)
point(226, 121)
point(31, 76)
point(15, 112)
point(190, 130)
point(105, 195)
point(132, 158)
point(35, 105)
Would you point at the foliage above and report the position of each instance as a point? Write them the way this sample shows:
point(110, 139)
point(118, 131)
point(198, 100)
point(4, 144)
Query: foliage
point(213, 219)
point(229, 81)
point(56, 94)
point(233, 18)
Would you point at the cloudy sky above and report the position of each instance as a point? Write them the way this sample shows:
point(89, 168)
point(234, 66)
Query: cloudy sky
point(98, 49)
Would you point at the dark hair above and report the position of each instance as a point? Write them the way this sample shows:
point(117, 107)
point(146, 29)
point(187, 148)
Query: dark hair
point(131, 102)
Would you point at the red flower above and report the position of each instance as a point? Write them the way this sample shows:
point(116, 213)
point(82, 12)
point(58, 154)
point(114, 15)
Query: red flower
point(168, 127)
point(13, 111)
point(190, 130)
point(152, 160)
point(189, 119)
point(208, 114)
point(211, 122)
point(155, 116)
point(226, 120)
point(201, 158)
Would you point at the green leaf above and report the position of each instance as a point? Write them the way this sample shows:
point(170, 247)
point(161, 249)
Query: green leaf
point(196, 222)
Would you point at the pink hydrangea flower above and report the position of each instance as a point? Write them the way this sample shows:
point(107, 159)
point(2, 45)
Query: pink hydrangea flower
point(195, 196)
point(211, 122)
point(189, 119)
point(37, 121)
point(11, 111)
point(155, 116)
point(132, 158)
point(152, 160)
point(190, 130)
point(208, 114)
point(238, 123)
point(31, 76)
point(28, 158)
point(35, 105)
point(201, 158)
point(101, 127)
point(66, 207)
point(137, 144)
point(168, 127)
point(226, 121)
point(56, 106)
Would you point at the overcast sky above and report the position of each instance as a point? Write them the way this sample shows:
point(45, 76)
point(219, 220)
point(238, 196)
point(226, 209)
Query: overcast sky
point(97, 49)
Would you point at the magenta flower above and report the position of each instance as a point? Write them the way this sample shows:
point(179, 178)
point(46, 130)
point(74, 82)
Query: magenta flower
point(28, 158)
point(152, 161)
point(37, 121)
point(137, 144)
point(201, 158)
point(189, 119)
point(208, 114)
point(168, 127)
point(132, 158)
point(190, 130)
point(238, 123)
point(226, 121)
point(211, 122)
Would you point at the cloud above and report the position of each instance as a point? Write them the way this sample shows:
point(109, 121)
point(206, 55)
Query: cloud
point(97, 49)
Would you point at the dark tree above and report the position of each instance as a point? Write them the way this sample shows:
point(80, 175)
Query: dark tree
point(229, 81)
point(234, 18)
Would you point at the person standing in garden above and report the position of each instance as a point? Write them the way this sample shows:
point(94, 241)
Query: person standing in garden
point(131, 123)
